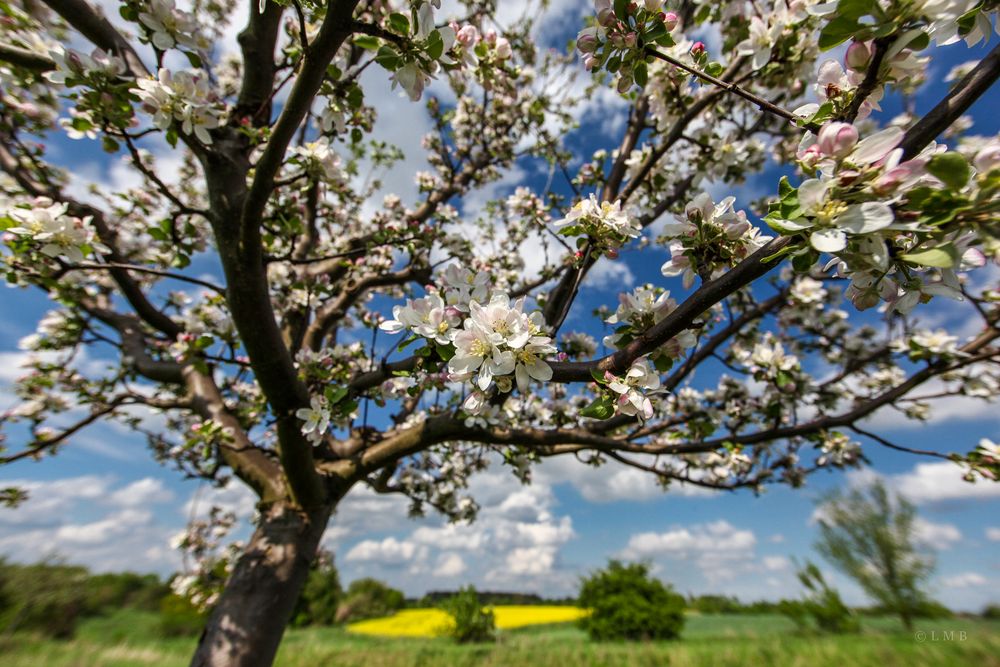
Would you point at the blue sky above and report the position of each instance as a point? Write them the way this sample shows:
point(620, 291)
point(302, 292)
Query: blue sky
point(104, 502)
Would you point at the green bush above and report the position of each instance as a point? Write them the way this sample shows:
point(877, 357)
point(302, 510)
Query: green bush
point(473, 623)
point(47, 598)
point(369, 598)
point(991, 612)
point(625, 602)
point(180, 618)
point(321, 596)
point(822, 604)
point(126, 589)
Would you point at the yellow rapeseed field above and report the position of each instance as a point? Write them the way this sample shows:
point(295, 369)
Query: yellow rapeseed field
point(435, 622)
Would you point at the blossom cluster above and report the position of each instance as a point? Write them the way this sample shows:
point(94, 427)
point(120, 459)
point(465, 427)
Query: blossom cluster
point(898, 228)
point(426, 48)
point(638, 311)
point(619, 41)
point(602, 225)
point(48, 227)
point(167, 27)
point(184, 97)
point(708, 239)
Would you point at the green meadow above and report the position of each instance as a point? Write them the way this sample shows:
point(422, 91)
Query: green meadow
point(130, 639)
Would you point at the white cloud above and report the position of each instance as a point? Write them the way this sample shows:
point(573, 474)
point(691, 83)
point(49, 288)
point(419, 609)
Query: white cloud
point(964, 580)
point(607, 274)
point(113, 527)
point(389, 551)
point(718, 539)
point(90, 520)
point(611, 482)
point(775, 563)
point(993, 534)
point(449, 565)
point(937, 535)
point(142, 492)
point(934, 482)
point(532, 561)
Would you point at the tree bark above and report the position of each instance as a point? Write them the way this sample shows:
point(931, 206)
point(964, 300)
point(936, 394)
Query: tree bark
point(246, 626)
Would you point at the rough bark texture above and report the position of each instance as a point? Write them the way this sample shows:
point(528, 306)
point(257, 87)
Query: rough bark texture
point(247, 624)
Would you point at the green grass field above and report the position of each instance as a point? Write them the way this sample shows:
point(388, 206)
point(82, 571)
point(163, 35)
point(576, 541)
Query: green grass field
point(129, 639)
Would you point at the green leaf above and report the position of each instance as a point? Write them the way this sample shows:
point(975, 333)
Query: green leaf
point(435, 45)
point(193, 58)
point(855, 9)
point(388, 58)
point(640, 74)
point(598, 375)
point(951, 168)
point(785, 188)
point(399, 23)
point(446, 352)
point(943, 257)
point(713, 69)
point(621, 8)
point(335, 396)
point(412, 339)
point(663, 363)
point(837, 31)
point(366, 42)
point(666, 41)
point(968, 20)
point(600, 408)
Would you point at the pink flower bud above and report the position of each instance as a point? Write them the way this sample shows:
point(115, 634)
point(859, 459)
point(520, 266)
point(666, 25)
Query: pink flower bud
point(606, 17)
point(591, 62)
point(491, 36)
point(670, 20)
point(810, 157)
point(468, 35)
point(503, 49)
point(633, 7)
point(625, 83)
point(858, 56)
point(698, 49)
point(837, 139)
point(586, 41)
point(611, 253)
point(631, 39)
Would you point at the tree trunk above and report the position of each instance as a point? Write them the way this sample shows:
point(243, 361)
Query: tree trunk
point(246, 626)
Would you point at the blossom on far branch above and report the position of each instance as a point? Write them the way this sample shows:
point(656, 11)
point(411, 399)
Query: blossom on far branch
point(708, 239)
point(619, 41)
point(51, 229)
point(635, 388)
point(166, 26)
point(185, 98)
point(604, 225)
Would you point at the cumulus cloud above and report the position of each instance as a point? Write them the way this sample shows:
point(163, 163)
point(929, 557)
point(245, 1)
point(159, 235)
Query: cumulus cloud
point(611, 483)
point(389, 551)
point(449, 565)
point(716, 540)
point(964, 580)
point(934, 482)
point(937, 535)
point(993, 534)
point(90, 520)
